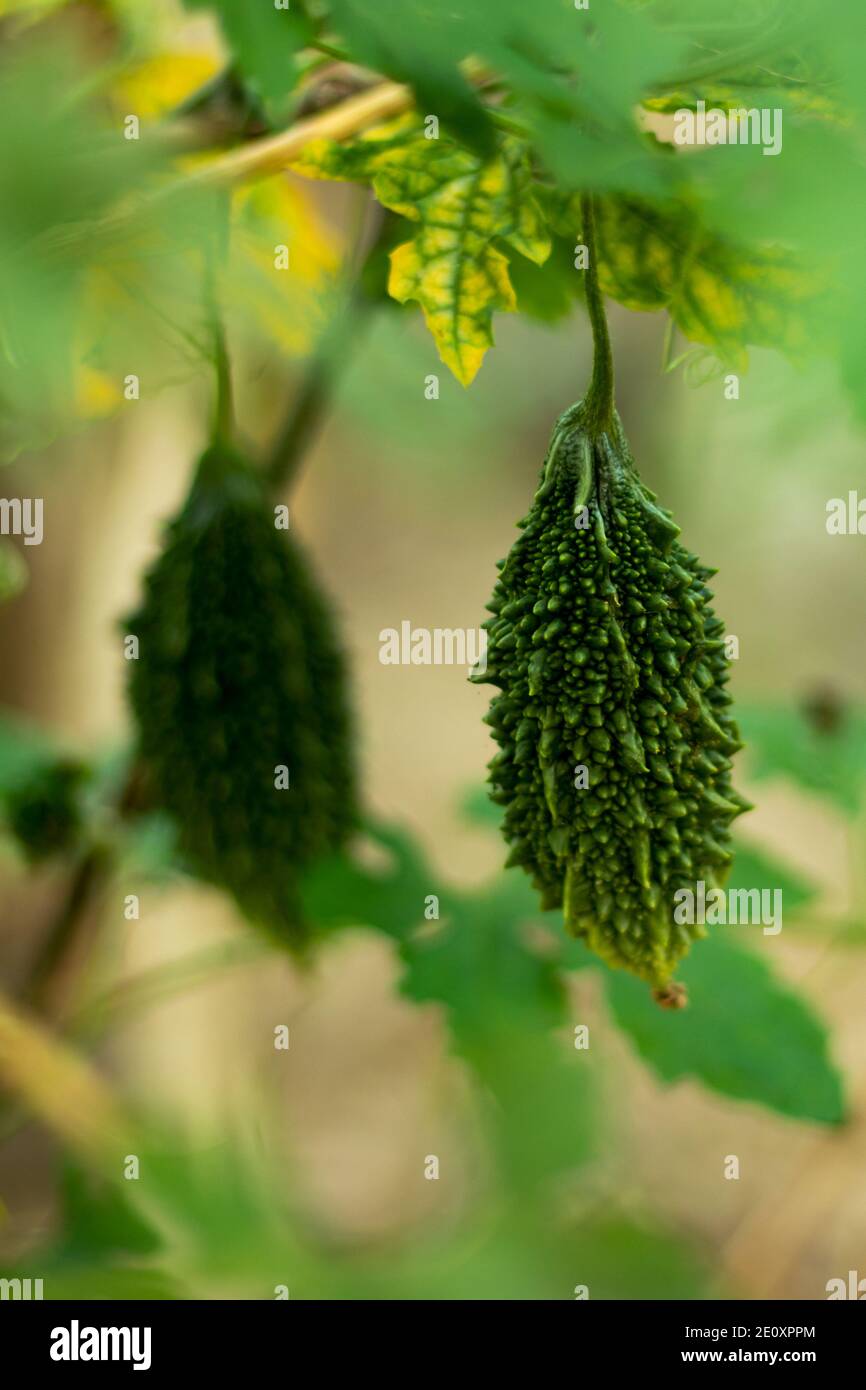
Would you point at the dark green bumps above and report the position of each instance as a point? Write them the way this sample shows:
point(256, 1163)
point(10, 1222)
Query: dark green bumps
point(608, 657)
point(239, 673)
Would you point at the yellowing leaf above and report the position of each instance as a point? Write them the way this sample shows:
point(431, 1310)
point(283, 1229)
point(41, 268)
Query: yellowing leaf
point(96, 393)
point(29, 8)
point(462, 204)
point(720, 293)
point(275, 221)
point(161, 83)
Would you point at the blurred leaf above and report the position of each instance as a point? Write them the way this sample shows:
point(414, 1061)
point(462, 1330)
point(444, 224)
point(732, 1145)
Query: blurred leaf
point(782, 741)
point(478, 807)
point(45, 813)
point(389, 893)
point(576, 78)
point(156, 85)
point(264, 40)
point(99, 1221)
point(720, 293)
point(25, 751)
point(422, 45)
point(43, 790)
point(94, 1280)
point(286, 308)
point(743, 1033)
point(754, 869)
point(618, 1259)
point(503, 993)
point(148, 848)
point(462, 204)
point(503, 1001)
point(87, 295)
point(13, 571)
point(478, 963)
point(547, 292)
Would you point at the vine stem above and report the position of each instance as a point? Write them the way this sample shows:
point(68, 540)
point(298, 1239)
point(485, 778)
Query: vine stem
point(215, 255)
point(599, 398)
point(272, 153)
point(329, 359)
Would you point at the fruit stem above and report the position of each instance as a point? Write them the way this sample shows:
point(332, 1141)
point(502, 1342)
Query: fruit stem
point(598, 401)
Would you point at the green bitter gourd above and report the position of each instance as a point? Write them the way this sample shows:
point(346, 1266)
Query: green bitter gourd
point(239, 674)
point(612, 718)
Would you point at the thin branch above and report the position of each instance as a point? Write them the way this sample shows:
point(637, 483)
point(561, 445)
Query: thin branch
point(47, 988)
point(271, 154)
point(599, 397)
point(326, 366)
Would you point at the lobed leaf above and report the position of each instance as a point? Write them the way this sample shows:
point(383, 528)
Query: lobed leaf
point(462, 203)
point(744, 1033)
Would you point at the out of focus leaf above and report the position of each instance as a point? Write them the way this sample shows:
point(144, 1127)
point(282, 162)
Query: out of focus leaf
point(547, 292)
point(161, 82)
point(264, 39)
point(462, 204)
point(783, 742)
point(754, 869)
point(25, 751)
point(422, 45)
point(285, 307)
point(13, 571)
point(87, 295)
point(99, 1221)
point(720, 293)
point(743, 1034)
point(503, 996)
point(576, 78)
point(385, 888)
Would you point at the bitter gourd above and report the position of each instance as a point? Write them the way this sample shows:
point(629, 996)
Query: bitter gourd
point(239, 674)
point(615, 736)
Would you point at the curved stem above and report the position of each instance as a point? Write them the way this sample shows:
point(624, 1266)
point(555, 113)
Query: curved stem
point(215, 257)
point(598, 401)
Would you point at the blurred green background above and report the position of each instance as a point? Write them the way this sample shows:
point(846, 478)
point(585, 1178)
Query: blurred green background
point(308, 1168)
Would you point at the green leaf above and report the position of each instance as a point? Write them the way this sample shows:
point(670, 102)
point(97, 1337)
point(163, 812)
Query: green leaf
point(421, 45)
point(25, 752)
point(461, 204)
point(754, 869)
point(478, 808)
point(78, 275)
point(503, 992)
point(503, 1001)
point(719, 292)
point(547, 292)
point(13, 572)
point(264, 41)
point(575, 78)
point(382, 884)
point(827, 760)
point(743, 1033)
point(99, 1221)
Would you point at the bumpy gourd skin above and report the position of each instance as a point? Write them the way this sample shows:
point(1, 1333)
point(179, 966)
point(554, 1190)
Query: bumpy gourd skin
point(239, 672)
point(608, 656)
